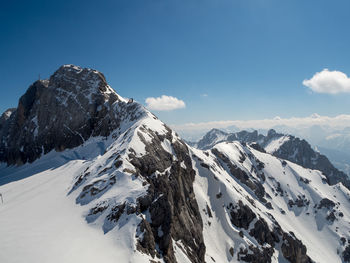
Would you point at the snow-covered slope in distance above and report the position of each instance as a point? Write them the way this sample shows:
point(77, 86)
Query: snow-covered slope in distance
point(295, 195)
point(283, 146)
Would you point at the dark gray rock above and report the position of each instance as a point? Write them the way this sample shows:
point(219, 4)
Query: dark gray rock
point(346, 254)
point(300, 201)
point(294, 250)
point(170, 200)
point(263, 234)
point(241, 215)
point(62, 112)
point(255, 255)
point(325, 202)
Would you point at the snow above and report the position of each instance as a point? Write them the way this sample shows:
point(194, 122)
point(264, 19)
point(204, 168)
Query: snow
point(39, 223)
point(36, 129)
point(166, 144)
point(70, 67)
point(304, 226)
point(319, 235)
point(8, 114)
point(179, 252)
point(275, 143)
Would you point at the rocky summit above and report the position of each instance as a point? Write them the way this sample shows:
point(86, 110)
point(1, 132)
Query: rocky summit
point(89, 176)
point(59, 113)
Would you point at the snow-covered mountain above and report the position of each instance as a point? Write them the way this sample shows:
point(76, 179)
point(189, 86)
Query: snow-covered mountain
point(282, 146)
point(118, 185)
point(332, 141)
point(331, 136)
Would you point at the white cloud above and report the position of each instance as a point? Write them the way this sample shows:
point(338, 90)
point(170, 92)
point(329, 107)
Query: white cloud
point(339, 121)
point(331, 82)
point(164, 103)
point(204, 95)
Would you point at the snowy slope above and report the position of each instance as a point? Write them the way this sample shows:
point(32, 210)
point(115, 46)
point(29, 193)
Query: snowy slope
point(275, 144)
point(322, 237)
point(283, 146)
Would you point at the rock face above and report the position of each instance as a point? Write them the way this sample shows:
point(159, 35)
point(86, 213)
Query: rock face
point(241, 215)
point(168, 211)
point(170, 199)
point(294, 250)
point(282, 146)
point(59, 113)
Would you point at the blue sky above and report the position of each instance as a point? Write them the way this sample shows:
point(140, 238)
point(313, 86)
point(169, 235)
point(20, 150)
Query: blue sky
point(249, 57)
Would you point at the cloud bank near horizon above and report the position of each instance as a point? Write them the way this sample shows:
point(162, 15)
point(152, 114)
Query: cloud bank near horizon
point(340, 121)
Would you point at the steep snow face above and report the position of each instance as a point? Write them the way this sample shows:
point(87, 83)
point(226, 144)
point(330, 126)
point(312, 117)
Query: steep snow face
point(238, 216)
point(275, 144)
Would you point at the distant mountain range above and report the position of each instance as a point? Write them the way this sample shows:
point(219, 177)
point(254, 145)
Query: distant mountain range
point(332, 141)
point(283, 146)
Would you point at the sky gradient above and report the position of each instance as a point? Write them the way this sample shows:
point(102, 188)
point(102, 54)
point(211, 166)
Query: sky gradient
point(225, 59)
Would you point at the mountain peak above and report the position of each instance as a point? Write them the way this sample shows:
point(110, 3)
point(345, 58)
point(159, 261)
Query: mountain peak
point(216, 131)
point(271, 133)
point(73, 73)
point(46, 117)
point(75, 79)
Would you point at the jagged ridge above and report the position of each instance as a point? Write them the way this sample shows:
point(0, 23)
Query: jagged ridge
point(283, 146)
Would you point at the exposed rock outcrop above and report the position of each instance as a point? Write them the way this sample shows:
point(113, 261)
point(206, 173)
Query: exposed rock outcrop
point(170, 200)
point(59, 113)
point(294, 250)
